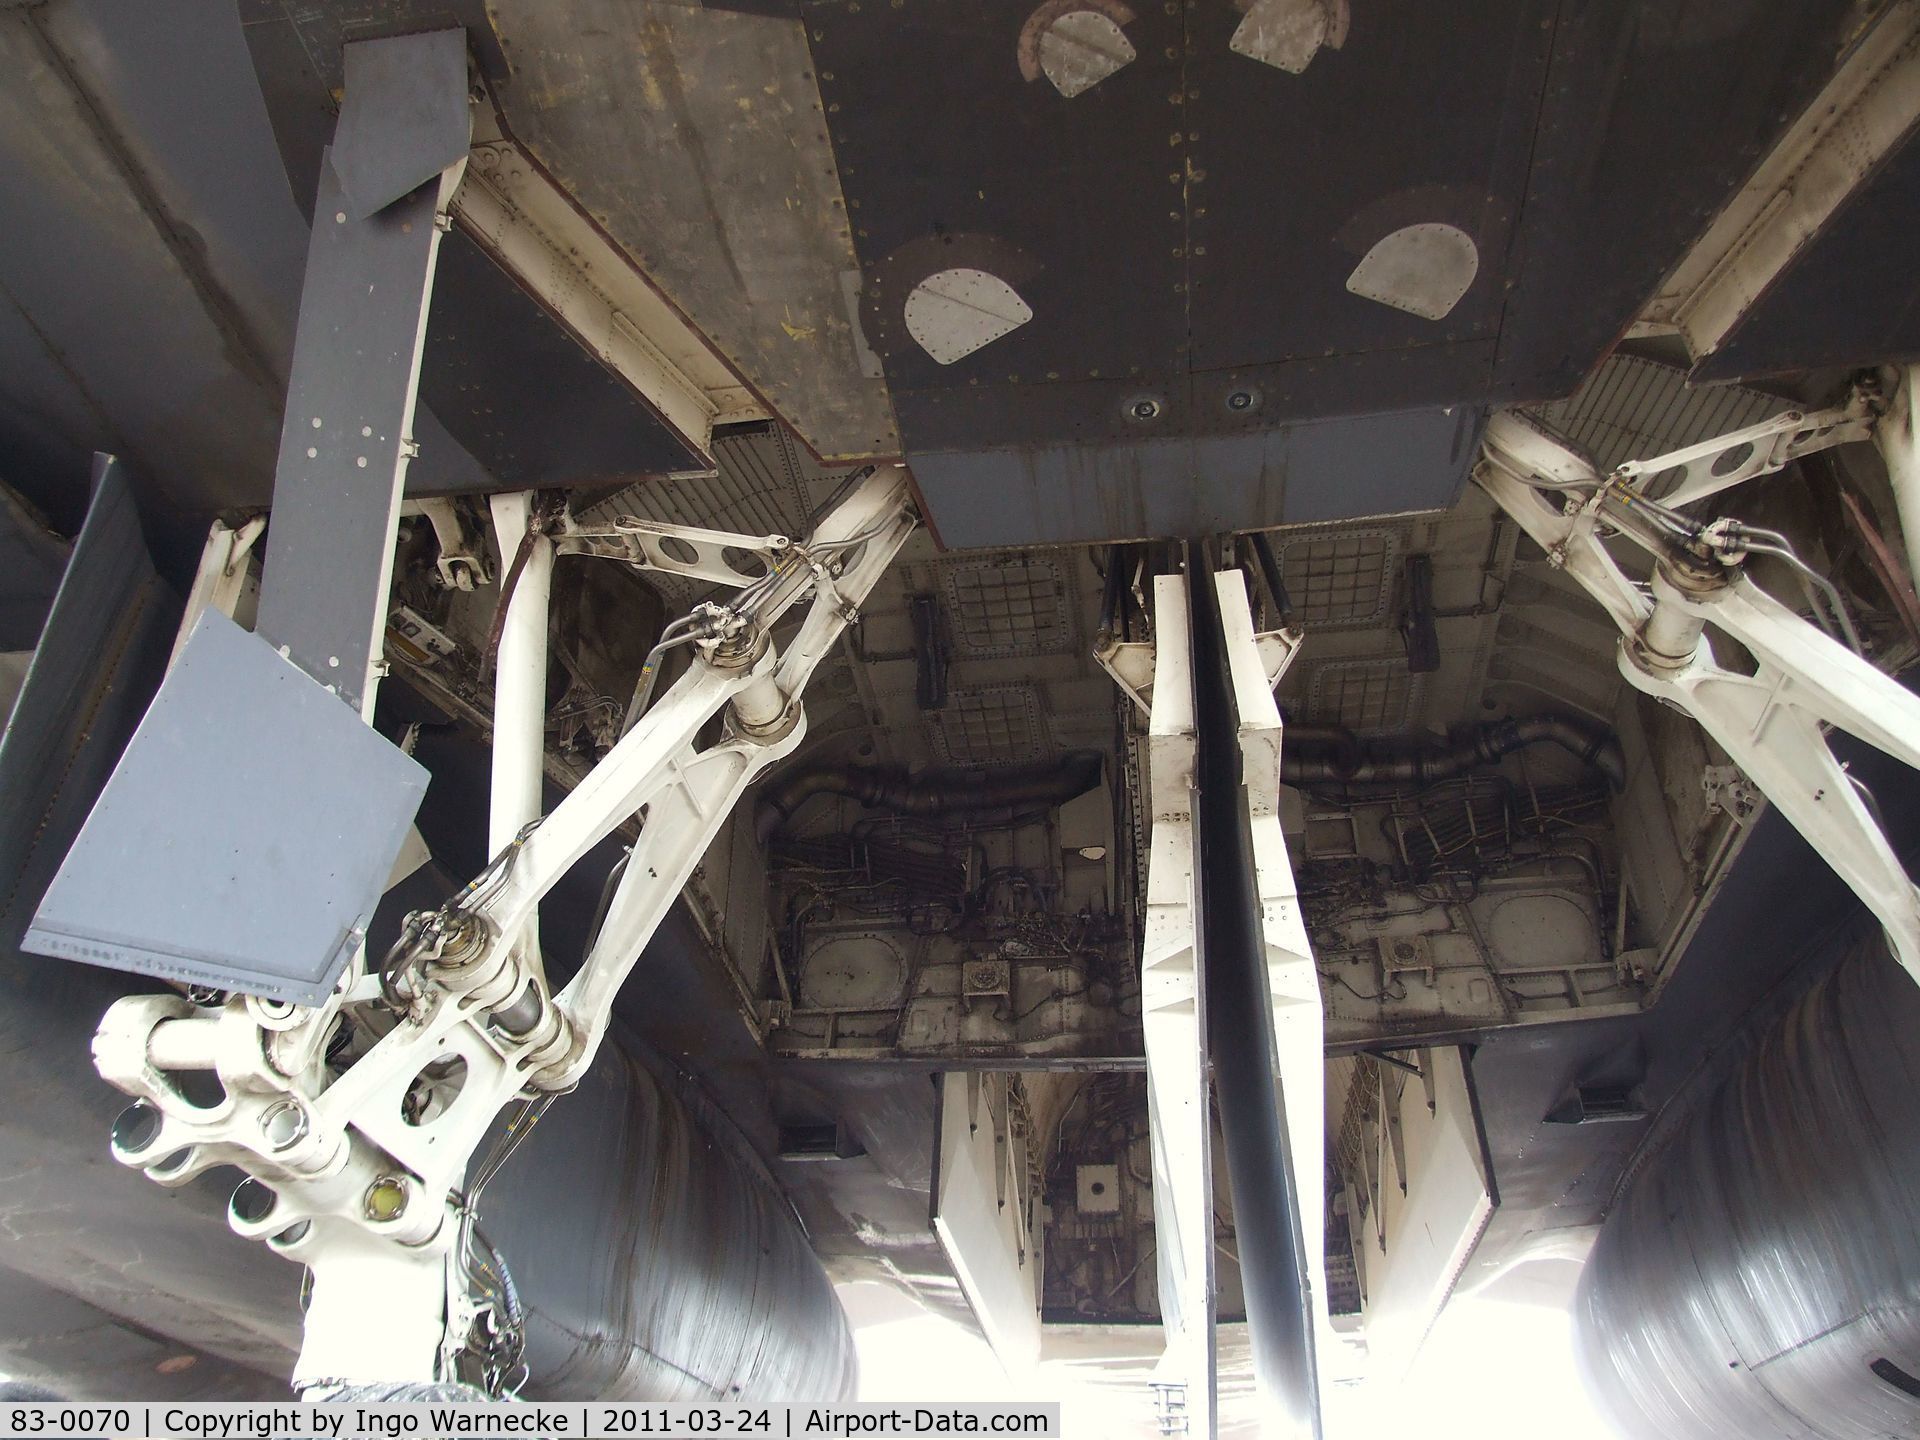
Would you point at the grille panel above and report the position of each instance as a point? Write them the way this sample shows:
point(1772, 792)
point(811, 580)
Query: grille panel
point(1364, 695)
point(1632, 409)
point(989, 727)
point(1015, 607)
point(1343, 578)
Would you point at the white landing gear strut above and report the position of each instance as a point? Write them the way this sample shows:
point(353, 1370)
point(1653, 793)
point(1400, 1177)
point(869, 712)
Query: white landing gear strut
point(1773, 722)
point(352, 1119)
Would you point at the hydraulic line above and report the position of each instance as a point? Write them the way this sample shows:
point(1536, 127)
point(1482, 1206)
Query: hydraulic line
point(1323, 754)
point(952, 791)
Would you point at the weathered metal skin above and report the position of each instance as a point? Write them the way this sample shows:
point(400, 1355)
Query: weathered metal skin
point(1761, 1275)
point(654, 1254)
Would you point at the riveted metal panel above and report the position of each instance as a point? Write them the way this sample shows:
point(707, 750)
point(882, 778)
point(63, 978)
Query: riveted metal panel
point(1344, 577)
point(996, 726)
point(1339, 469)
point(1006, 607)
point(1370, 696)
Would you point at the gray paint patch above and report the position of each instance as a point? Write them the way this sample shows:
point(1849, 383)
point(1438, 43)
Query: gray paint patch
point(245, 837)
point(953, 313)
point(1421, 269)
point(1342, 469)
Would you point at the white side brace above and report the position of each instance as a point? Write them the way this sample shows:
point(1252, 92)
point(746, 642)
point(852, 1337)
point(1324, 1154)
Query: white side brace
point(1173, 1020)
point(221, 576)
point(1255, 664)
point(1773, 722)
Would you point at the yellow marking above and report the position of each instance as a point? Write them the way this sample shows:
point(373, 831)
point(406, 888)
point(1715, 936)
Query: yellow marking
point(795, 332)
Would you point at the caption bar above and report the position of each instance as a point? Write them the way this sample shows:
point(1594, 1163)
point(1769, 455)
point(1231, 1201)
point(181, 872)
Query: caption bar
point(349, 1421)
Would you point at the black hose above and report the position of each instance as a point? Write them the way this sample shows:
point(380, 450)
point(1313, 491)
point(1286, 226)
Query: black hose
point(1270, 573)
point(1322, 754)
point(1111, 593)
point(958, 790)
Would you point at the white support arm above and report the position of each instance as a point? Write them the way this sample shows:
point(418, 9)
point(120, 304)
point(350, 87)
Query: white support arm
point(1728, 460)
point(1773, 726)
point(1898, 437)
point(221, 576)
point(1519, 461)
point(520, 686)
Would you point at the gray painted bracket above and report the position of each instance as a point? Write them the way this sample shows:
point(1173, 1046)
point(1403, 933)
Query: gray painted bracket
point(346, 437)
point(220, 855)
point(404, 119)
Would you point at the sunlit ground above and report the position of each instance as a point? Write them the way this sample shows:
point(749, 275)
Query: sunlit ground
point(1492, 1369)
point(1498, 1366)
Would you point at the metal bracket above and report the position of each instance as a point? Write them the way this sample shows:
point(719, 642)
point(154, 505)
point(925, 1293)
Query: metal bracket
point(1728, 793)
point(1728, 460)
point(1898, 438)
point(221, 576)
point(462, 564)
point(1276, 650)
point(718, 557)
point(1131, 662)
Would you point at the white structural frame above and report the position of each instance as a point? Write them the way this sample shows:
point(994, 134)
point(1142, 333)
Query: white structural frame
point(1173, 985)
point(364, 1170)
point(1173, 1017)
point(528, 224)
point(1772, 723)
point(221, 576)
point(1862, 115)
point(1898, 437)
point(514, 799)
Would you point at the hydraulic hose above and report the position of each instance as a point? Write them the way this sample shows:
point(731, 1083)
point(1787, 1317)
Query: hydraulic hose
point(1329, 754)
point(955, 790)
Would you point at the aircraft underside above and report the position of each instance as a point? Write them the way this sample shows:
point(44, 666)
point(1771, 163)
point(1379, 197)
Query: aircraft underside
point(1183, 680)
